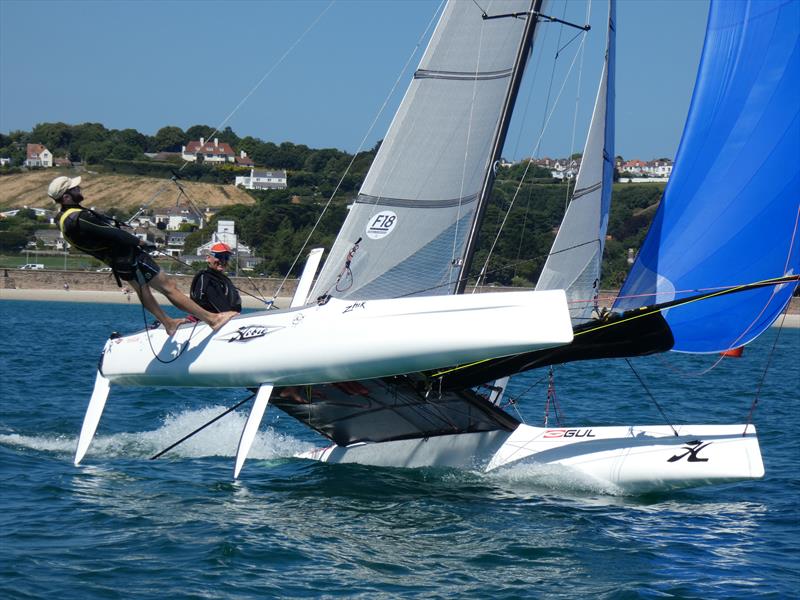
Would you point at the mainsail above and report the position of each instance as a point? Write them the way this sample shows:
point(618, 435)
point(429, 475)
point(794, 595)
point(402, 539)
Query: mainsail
point(574, 260)
point(406, 232)
point(729, 215)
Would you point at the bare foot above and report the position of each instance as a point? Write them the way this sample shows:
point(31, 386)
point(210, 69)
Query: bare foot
point(171, 325)
point(221, 318)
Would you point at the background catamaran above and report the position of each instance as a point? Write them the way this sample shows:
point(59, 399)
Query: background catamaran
point(708, 278)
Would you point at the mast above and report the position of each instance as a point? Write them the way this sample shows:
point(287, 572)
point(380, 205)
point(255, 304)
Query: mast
point(500, 137)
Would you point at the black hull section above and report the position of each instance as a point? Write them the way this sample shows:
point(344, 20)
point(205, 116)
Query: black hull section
point(634, 333)
point(395, 408)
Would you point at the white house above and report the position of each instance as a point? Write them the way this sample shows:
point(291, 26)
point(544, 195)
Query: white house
point(565, 168)
point(38, 156)
point(263, 180)
point(51, 238)
point(175, 216)
point(5, 161)
point(212, 152)
point(176, 240)
point(225, 233)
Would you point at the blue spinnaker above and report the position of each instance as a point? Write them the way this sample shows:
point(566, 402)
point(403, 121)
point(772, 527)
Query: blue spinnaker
point(729, 215)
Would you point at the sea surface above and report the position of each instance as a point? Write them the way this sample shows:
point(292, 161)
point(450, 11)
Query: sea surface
point(124, 526)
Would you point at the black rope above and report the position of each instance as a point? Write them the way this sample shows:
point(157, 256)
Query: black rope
point(754, 405)
point(184, 346)
point(658, 406)
point(199, 429)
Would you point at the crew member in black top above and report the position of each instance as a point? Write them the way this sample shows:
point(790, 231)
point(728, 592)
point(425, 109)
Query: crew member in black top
point(101, 236)
point(211, 288)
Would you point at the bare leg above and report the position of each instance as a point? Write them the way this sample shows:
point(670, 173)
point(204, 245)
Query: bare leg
point(150, 303)
point(167, 286)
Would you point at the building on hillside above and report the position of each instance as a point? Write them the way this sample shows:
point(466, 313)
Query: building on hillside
point(226, 233)
point(660, 168)
point(38, 156)
point(210, 152)
point(565, 168)
point(39, 212)
point(174, 217)
point(243, 160)
point(147, 234)
point(52, 239)
point(263, 180)
point(176, 242)
point(5, 161)
point(635, 167)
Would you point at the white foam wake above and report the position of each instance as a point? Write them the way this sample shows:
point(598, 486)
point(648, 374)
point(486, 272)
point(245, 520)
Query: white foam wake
point(218, 439)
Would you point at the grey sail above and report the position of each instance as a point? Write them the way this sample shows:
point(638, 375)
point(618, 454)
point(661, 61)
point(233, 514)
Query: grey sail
point(574, 260)
point(405, 234)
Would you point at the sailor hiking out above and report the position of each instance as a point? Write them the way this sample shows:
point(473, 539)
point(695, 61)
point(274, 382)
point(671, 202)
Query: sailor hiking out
point(101, 236)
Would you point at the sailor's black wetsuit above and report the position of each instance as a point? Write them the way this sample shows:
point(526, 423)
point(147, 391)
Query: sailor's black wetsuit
point(100, 236)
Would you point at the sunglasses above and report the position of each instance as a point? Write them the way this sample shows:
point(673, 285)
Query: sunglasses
point(222, 256)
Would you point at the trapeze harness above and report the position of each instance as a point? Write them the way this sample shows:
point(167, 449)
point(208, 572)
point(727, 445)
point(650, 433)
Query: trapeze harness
point(101, 236)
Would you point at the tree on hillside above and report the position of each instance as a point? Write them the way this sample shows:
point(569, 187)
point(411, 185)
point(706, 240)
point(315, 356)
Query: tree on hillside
point(195, 132)
point(228, 136)
point(130, 137)
point(169, 139)
point(56, 136)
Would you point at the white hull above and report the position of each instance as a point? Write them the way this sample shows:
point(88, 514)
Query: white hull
point(635, 459)
point(341, 341)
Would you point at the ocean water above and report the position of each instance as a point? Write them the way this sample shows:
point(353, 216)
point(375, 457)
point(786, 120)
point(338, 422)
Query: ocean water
point(123, 526)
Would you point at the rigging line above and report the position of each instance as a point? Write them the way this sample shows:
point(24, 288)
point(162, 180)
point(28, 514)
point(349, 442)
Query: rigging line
point(658, 406)
point(466, 153)
point(159, 191)
point(360, 146)
point(553, 72)
point(533, 78)
point(271, 69)
point(527, 167)
point(199, 429)
point(754, 405)
point(247, 96)
point(582, 52)
point(517, 397)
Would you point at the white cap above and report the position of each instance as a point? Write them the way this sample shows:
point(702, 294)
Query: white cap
point(59, 186)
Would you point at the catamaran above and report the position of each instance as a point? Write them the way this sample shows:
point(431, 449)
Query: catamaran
point(395, 365)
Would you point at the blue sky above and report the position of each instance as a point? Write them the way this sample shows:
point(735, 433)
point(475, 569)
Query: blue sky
point(148, 64)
